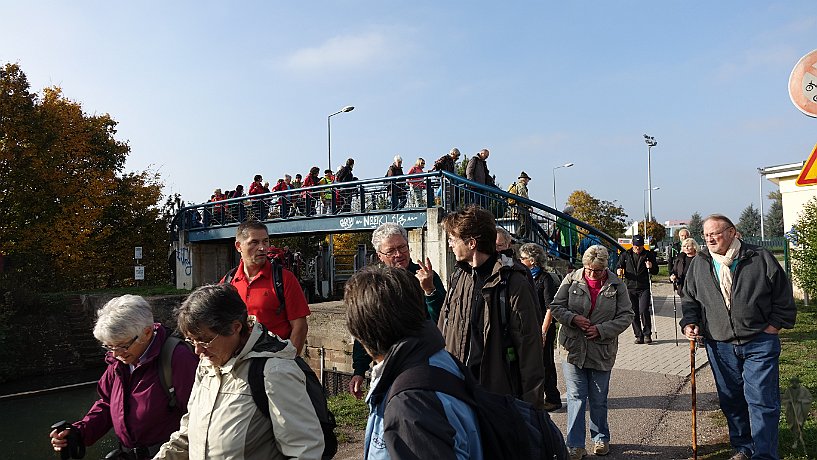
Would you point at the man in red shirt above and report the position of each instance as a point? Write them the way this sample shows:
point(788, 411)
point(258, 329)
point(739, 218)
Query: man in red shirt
point(254, 281)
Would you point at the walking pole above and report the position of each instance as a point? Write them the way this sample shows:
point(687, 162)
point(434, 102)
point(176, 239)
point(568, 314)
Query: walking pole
point(652, 306)
point(692, 346)
point(675, 312)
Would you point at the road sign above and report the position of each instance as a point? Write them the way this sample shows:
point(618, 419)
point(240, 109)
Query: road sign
point(137, 252)
point(803, 84)
point(808, 175)
point(139, 273)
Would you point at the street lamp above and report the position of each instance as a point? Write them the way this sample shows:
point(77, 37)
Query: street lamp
point(566, 165)
point(762, 172)
point(348, 108)
point(651, 142)
point(645, 206)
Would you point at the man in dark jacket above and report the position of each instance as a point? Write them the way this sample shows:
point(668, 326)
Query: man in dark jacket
point(448, 162)
point(491, 318)
point(736, 299)
point(344, 174)
point(636, 265)
point(384, 312)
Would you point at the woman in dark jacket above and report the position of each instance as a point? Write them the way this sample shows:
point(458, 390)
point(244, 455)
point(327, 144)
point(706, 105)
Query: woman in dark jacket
point(132, 399)
point(689, 248)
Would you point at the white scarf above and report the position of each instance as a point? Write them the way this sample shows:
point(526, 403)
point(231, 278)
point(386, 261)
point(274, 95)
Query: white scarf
point(725, 272)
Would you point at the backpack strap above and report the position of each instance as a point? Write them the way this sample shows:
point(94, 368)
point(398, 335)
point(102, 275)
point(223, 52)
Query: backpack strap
point(166, 369)
point(229, 276)
point(256, 381)
point(430, 378)
point(278, 285)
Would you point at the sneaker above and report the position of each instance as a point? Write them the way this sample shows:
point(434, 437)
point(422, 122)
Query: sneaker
point(647, 339)
point(576, 453)
point(601, 448)
point(550, 407)
point(639, 340)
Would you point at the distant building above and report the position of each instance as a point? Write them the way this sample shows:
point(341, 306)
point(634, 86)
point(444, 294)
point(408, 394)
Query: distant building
point(794, 197)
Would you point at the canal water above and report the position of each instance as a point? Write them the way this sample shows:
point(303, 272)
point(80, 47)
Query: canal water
point(26, 421)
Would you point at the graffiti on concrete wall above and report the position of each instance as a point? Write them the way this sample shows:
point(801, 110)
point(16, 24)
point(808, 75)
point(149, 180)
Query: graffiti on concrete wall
point(184, 266)
point(374, 221)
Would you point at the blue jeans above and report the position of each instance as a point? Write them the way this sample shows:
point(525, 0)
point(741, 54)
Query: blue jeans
point(583, 385)
point(748, 381)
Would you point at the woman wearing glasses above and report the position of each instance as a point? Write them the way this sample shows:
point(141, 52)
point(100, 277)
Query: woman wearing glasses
point(593, 307)
point(132, 399)
point(223, 420)
point(689, 248)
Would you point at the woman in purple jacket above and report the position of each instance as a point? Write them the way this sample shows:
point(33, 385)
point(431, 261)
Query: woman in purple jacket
point(132, 399)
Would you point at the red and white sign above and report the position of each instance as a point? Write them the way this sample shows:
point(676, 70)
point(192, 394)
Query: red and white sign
point(803, 84)
point(808, 175)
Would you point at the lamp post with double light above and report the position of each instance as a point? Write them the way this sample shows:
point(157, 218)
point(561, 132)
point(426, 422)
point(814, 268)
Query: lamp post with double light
point(645, 207)
point(566, 165)
point(348, 108)
point(651, 142)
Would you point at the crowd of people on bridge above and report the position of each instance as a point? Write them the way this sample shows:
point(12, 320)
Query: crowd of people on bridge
point(492, 324)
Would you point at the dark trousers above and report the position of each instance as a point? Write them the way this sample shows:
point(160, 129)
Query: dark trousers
point(642, 321)
point(552, 394)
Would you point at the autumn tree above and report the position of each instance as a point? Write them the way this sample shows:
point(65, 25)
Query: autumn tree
point(696, 225)
point(655, 231)
point(749, 223)
point(604, 215)
point(71, 218)
point(773, 224)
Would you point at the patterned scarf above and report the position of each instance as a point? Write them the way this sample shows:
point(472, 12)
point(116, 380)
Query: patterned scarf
point(725, 272)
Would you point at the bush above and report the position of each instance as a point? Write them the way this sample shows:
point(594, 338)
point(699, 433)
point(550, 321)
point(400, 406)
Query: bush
point(804, 252)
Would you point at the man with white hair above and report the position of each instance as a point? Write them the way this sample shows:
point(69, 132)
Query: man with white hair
point(390, 240)
point(736, 299)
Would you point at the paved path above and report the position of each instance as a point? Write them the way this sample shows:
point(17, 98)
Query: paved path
point(650, 397)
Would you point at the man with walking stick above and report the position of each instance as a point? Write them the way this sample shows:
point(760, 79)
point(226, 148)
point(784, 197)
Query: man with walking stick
point(737, 298)
point(636, 265)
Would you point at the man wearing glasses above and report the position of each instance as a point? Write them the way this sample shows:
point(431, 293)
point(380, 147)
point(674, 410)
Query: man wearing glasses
point(636, 265)
point(736, 300)
point(390, 240)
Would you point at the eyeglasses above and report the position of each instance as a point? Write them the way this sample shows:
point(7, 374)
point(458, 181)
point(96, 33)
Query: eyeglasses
point(707, 236)
point(453, 239)
point(115, 348)
point(595, 271)
point(202, 344)
point(394, 252)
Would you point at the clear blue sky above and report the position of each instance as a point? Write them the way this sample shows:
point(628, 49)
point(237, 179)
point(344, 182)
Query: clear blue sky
point(210, 93)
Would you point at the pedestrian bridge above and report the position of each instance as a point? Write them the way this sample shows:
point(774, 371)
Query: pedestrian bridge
point(203, 234)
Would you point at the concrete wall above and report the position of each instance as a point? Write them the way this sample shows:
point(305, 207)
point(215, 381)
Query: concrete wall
point(327, 331)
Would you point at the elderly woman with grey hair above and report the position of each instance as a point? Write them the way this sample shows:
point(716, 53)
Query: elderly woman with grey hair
point(593, 307)
point(224, 420)
point(397, 188)
point(132, 399)
point(680, 266)
point(533, 256)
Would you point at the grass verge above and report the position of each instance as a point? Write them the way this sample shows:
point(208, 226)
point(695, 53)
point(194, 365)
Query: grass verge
point(797, 359)
point(350, 414)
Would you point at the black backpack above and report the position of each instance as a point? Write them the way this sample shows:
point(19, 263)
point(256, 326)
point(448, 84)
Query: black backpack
point(277, 283)
point(316, 395)
point(509, 428)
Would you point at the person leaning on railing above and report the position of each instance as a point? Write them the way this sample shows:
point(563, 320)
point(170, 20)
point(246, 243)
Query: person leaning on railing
point(132, 399)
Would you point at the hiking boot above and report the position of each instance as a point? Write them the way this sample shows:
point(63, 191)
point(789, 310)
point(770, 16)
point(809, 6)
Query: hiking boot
point(550, 407)
point(601, 448)
point(739, 456)
point(648, 339)
point(576, 453)
point(639, 340)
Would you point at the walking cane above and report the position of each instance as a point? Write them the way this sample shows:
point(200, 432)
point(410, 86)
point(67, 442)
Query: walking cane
point(652, 307)
point(675, 311)
point(692, 347)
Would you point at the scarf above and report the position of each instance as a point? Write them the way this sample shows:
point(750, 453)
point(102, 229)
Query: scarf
point(725, 272)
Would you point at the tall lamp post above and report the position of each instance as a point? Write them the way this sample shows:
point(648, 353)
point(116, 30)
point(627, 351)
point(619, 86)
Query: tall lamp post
point(348, 108)
point(645, 207)
point(762, 172)
point(566, 165)
point(651, 142)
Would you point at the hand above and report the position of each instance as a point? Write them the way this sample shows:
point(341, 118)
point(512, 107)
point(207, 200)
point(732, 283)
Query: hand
point(356, 386)
point(58, 440)
point(672, 277)
point(691, 332)
point(648, 264)
point(771, 330)
point(592, 332)
point(425, 274)
point(620, 272)
point(581, 322)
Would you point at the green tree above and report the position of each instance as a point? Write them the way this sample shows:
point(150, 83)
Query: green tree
point(696, 226)
point(606, 216)
point(804, 249)
point(70, 217)
point(656, 231)
point(749, 223)
point(461, 167)
point(773, 224)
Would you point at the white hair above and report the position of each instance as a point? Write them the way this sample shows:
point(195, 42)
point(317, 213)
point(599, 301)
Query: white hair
point(385, 231)
point(398, 159)
point(122, 318)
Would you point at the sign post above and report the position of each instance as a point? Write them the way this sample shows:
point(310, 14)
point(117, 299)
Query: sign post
point(138, 269)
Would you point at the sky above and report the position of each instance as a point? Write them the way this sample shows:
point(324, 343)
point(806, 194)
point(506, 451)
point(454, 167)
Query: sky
point(210, 93)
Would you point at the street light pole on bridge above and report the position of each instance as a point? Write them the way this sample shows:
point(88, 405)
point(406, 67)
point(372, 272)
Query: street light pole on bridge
point(566, 165)
point(348, 108)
